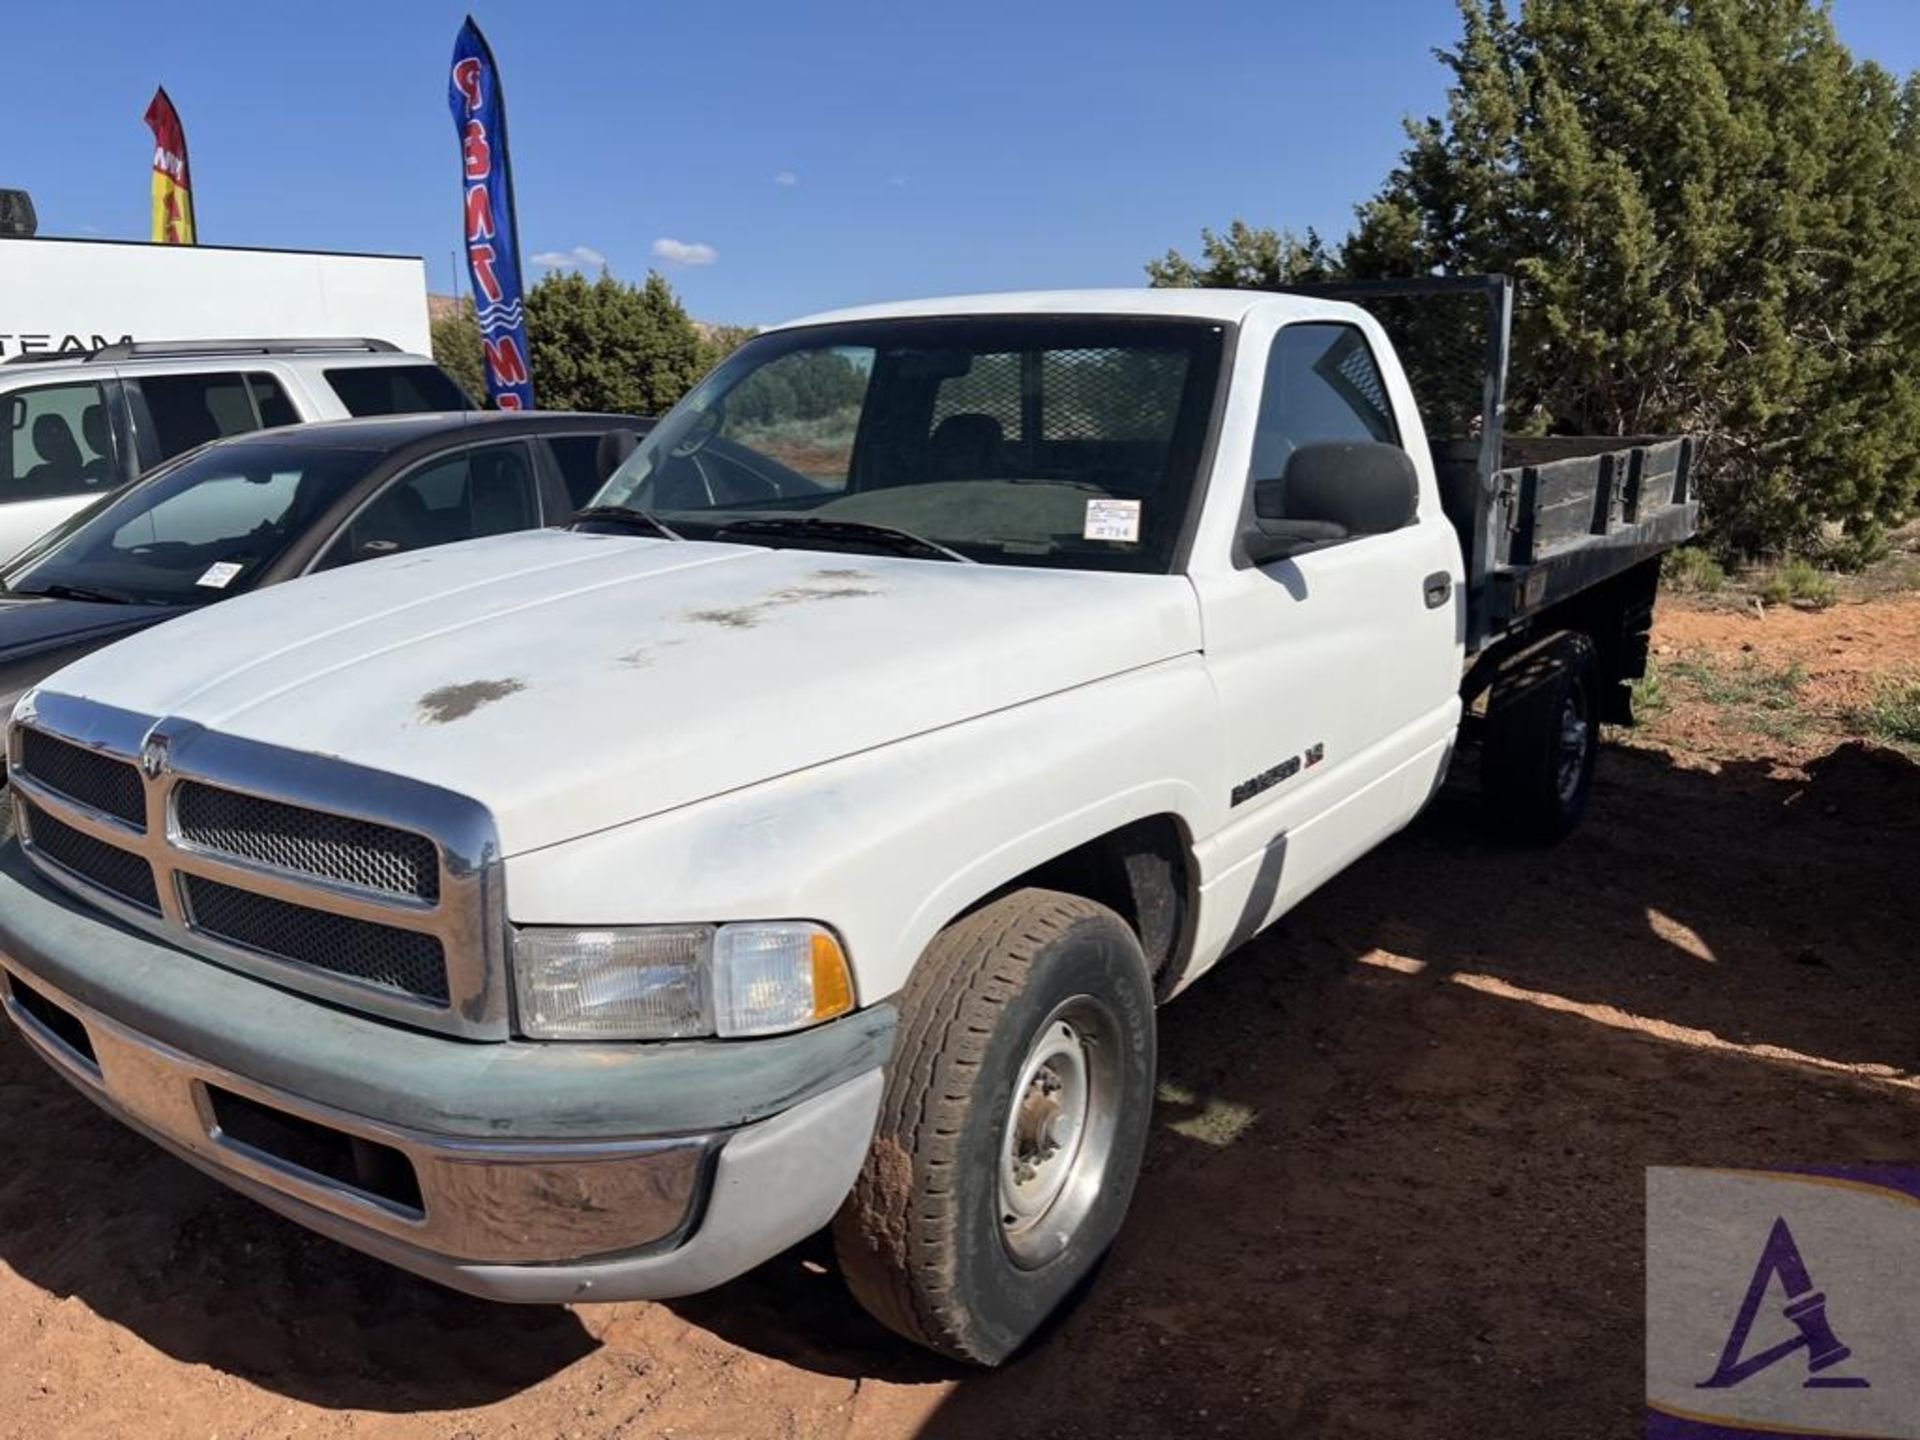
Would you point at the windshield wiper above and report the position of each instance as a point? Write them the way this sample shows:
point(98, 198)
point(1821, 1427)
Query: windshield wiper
point(900, 542)
point(77, 592)
point(627, 514)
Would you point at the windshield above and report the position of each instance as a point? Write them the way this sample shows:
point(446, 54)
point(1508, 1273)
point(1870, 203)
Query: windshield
point(205, 527)
point(1063, 441)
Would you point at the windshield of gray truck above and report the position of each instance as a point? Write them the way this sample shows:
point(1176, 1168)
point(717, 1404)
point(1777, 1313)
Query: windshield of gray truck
point(1064, 441)
point(201, 529)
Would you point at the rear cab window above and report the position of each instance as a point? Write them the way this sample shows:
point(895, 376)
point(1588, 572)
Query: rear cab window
point(59, 441)
point(396, 389)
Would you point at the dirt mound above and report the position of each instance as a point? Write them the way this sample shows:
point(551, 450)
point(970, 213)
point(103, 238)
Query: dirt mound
point(1873, 784)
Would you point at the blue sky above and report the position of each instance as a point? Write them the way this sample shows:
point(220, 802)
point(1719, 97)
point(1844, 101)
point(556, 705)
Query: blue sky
point(821, 154)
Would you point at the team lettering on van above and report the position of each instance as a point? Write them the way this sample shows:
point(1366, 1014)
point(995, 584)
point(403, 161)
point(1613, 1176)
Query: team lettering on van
point(11, 345)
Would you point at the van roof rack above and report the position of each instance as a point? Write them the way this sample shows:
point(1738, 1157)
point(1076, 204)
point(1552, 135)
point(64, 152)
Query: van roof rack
point(161, 349)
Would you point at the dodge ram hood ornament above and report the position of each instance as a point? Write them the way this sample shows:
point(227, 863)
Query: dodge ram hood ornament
point(154, 756)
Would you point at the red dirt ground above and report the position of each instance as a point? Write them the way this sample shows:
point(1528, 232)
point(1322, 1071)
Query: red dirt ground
point(1394, 1190)
point(1838, 652)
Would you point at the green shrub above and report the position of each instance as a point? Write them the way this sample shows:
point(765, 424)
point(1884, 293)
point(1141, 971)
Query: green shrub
point(1799, 582)
point(1692, 570)
point(1858, 549)
point(1649, 693)
point(1892, 713)
point(1747, 684)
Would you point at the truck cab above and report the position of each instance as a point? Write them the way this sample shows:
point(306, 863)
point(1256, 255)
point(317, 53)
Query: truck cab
point(808, 833)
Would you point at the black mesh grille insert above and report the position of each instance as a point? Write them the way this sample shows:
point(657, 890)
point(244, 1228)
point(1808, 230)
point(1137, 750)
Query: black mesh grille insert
point(108, 866)
point(108, 785)
point(403, 960)
point(309, 842)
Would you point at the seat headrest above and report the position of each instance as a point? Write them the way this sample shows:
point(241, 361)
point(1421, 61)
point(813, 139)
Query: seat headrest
point(614, 447)
point(53, 438)
point(967, 446)
point(93, 426)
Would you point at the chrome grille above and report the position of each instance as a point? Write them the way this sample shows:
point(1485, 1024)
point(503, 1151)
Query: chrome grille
point(409, 961)
point(95, 780)
point(370, 890)
point(307, 842)
point(119, 871)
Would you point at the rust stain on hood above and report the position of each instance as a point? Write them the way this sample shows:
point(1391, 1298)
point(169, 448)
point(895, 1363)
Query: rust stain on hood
point(455, 702)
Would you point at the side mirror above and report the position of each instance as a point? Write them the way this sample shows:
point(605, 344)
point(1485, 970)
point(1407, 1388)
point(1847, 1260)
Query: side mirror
point(1331, 491)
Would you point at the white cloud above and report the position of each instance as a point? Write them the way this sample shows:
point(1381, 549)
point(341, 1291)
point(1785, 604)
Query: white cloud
point(580, 257)
point(896, 181)
point(684, 252)
point(786, 178)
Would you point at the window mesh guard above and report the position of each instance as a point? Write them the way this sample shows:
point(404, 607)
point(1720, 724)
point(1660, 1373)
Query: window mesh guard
point(1092, 395)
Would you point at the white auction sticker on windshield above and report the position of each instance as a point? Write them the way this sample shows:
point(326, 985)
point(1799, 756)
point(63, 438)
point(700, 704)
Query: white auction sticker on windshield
point(1111, 520)
point(218, 577)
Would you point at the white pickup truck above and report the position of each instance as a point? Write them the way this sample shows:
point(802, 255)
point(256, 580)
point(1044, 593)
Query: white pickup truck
point(809, 832)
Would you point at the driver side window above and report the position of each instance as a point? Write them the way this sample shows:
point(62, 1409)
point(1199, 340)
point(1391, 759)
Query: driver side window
point(1322, 384)
point(488, 490)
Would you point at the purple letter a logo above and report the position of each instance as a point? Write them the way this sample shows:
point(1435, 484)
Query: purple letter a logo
point(1805, 1307)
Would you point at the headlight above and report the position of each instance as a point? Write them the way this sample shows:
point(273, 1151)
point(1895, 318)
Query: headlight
point(667, 982)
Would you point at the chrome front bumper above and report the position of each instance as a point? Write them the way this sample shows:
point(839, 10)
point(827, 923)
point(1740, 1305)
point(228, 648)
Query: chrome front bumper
point(513, 1169)
point(516, 1203)
point(532, 1222)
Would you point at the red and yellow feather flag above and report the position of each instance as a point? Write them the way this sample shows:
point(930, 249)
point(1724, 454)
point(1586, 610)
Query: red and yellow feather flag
point(172, 185)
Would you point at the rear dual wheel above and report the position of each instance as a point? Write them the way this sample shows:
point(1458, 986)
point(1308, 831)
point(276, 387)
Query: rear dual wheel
point(1012, 1125)
point(1542, 737)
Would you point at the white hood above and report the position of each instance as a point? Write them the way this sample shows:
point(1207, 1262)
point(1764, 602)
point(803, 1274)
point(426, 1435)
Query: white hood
point(571, 682)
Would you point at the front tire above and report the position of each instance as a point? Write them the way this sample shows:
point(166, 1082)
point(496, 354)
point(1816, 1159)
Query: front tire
point(1011, 1129)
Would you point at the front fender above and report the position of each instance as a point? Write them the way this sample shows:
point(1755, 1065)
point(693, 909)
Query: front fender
point(889, 845)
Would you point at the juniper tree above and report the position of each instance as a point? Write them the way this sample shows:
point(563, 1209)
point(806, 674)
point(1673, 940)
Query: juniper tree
point(606, 345)
point(1714, 214)
point(594, 344)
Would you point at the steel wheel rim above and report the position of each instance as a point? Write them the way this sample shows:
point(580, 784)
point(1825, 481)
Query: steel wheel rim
point(1576, 734)
point(1058, 1131)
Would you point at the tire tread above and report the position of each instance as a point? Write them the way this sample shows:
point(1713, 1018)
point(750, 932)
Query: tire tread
point(893, 1239)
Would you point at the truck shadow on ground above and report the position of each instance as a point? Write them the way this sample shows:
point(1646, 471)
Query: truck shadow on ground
point(1395, 1184)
